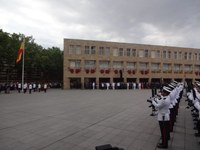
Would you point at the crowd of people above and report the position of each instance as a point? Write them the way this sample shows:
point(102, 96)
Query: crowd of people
point(27, 87)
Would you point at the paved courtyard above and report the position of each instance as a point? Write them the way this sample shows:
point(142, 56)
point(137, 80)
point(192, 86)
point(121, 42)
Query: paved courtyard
point(83, 119)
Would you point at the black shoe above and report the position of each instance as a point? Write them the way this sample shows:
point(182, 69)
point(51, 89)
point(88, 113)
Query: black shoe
point(197, 134)
point(195, 115)
point(161, 146)
point(152, 114)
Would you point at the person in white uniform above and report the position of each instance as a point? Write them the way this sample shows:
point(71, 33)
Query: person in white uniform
point(162, 105)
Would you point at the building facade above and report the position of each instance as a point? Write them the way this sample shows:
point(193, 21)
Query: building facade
point(87, 62)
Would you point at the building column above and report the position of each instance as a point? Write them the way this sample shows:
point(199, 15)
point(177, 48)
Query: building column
point(137, 80)
point(125, 79)
point(66, 83)
point(97, 82)
point(111, 80)
point(149, 80)
point(82, 82)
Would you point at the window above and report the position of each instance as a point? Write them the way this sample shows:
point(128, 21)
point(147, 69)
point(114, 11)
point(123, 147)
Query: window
point(90, 50)
point(185, 55)
point(90, 64)
point(78, 49)
point(87, 50)
point(158, 54)
point(177, 67)
point(169, 55)
point(117, 64)
point(195, 56)
point(131, 52)
point(93, 50)
point(188, 68)
point(190, 56)
point(130, 65)
point(141, 53)
point(75, 63)
point(153, 54)
point(179, 55)
point(121, 52)
point(143, 66)
point(115, 51)
point(75, 49)
point(71, 49)
point(197, 67)
point(134, 52)
point(101, 51)
point(128, 52)
point(155, 66)
point(104, 64)
point(175, 55)
point(107, 51)
point(146, 53)
point(166, 67)
point(164, 55)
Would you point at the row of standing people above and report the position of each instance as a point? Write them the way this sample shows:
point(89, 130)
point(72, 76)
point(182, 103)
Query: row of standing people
point(193, 95)
point(166, 104)
point(7, 88)
point(36, 86)
point(31, 87)
point(122, 85)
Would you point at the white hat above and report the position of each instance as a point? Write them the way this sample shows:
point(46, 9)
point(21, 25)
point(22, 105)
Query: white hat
point(197, 83)
point(165, 88)
point(172, 85)
point(175, 82)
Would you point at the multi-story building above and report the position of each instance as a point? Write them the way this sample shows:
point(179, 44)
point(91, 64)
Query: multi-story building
point(87, 61)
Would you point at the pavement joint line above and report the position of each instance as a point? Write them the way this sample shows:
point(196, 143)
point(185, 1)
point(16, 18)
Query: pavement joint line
point(81, 130)
point(20, 124)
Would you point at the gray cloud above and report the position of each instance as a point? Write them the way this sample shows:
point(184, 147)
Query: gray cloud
point(171, 22)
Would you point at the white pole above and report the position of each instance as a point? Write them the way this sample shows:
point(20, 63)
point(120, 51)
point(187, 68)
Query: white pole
point(23, 66)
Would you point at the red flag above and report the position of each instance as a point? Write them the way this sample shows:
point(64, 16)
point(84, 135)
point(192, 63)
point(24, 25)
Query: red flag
point(20, 52)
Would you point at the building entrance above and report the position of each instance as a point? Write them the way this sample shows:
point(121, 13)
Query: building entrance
point(144, 83)
point(102, 82)
point(75, 83)
point(88, 82)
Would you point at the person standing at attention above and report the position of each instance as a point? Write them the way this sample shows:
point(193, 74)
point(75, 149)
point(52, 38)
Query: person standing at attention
point(162, 104)
point(45, 87)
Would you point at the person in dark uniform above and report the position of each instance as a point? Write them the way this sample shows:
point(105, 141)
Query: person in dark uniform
point(162, 104)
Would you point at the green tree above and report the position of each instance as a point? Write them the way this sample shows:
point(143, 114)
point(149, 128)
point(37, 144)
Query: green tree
point(40, 63)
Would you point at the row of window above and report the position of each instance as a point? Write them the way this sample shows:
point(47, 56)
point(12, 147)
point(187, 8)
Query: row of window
point(133, 65)
point(131, 52)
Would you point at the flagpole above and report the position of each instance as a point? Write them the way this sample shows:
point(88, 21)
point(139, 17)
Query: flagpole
point(23, 67)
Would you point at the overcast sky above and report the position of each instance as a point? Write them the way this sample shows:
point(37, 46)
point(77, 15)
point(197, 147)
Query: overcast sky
point(159, 22)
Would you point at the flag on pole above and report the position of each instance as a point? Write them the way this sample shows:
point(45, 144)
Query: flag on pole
point(20, 52)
